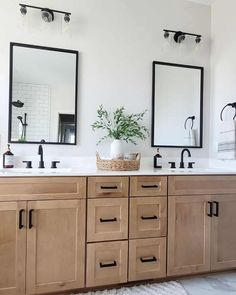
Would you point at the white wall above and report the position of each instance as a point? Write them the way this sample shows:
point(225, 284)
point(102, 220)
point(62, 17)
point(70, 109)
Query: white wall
point(117, 40)
point(223, 74)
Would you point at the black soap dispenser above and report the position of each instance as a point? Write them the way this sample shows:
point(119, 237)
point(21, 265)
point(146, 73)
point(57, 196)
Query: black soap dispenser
point(157, 160)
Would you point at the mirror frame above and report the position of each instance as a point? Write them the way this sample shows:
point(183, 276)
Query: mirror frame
point(201, 69)
point(15, 44)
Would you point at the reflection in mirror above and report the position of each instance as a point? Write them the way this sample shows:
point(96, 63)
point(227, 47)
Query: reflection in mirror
point(177, 105)
point(43, 94)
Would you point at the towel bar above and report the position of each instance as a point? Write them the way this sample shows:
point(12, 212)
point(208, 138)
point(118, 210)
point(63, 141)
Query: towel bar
point(233, 105)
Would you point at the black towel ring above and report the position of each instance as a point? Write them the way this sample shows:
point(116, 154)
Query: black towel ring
point(189, 118)
point(233, 105)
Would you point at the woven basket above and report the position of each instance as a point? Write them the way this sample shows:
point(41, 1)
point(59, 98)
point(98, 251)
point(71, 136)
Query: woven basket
point(118, 165)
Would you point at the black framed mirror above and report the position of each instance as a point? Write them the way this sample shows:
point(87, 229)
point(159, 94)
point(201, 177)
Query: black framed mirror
point(177, 105)
point(42, 95)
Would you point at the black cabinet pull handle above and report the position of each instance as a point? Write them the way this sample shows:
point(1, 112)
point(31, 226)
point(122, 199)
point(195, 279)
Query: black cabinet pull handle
point(211, 209)
point(108, 220)
point(109, 187)
point(216, 211)
point(150, 186)
point(151, 259)
point(31, 218)
point(21, 225)
point(102, 265)
point(149, 217)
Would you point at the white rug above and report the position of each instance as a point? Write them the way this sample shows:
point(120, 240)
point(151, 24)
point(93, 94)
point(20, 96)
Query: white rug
point(170, 288)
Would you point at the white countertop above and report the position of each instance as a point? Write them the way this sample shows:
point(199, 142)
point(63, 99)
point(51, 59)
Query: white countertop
point(92, 171)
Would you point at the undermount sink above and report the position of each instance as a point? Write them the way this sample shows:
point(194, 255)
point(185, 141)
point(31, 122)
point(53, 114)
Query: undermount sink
point(34, 171)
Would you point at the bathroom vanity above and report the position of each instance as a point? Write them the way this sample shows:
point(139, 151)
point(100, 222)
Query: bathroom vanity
point(62, 233)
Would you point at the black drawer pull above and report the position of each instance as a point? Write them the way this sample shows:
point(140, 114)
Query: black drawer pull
point(211, 209)
point(108, 219)
point(102, 265)
point(21, 225)
point(109, 187)
point(216, 211)
point(31, 218)
point(149, 217)
point(150, 186)
point(151, 259)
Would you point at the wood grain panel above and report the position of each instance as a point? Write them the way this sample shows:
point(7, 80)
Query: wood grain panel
point(107, 263)
point(104, 187)
point(148, 217)
point(147, 259)
point(56, 246)
point(39, 188)
point(189, 229)
point(107, 219)
point(223, 242)
point(201, 185)
point(12, 248)
point(146, 186)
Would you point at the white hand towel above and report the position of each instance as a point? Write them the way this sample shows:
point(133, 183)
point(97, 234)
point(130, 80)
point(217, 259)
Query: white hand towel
point(190, 137)
point(227, 141)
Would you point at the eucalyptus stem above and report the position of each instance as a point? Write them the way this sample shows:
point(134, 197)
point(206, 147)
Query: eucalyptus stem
point(119, 125)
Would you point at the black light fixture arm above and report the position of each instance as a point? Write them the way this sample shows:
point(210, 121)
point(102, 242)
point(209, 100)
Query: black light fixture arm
point(42, 8)
point(233, 105)
point(184, 33)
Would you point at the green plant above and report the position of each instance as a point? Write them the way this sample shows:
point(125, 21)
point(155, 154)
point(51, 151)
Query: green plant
point(120, 125)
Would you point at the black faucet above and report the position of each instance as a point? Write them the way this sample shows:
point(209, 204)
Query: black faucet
point(182, 157)
point(40, 152)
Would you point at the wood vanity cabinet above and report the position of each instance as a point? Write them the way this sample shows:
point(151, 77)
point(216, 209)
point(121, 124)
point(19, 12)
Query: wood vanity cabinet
point(42, 242)
point(128, 234)
point(201, 224)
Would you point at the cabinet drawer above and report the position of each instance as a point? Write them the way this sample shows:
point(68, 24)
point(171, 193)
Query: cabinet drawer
point(107, 219)
point(147, 259)
point(103, 187)
point(148, 186)
point(40, 188)
point(202, 185)
point(107, 263)
point(148, 217)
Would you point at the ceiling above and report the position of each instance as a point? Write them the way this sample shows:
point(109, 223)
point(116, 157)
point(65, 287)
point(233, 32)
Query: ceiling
point(206, 2)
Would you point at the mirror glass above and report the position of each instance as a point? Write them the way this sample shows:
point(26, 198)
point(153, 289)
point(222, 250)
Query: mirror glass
point(177, 105)
point(43, 94)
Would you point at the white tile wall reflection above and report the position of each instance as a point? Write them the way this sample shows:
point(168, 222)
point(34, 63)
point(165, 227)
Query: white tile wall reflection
point(36, 99)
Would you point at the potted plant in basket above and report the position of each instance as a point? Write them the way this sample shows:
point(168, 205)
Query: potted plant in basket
point(120, 126)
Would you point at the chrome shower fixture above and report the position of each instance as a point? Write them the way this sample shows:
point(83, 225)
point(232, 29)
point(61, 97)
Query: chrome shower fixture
point(180, 36)
point(47, 14)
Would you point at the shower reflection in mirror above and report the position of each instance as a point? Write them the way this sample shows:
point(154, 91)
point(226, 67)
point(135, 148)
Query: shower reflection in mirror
point(43, 94)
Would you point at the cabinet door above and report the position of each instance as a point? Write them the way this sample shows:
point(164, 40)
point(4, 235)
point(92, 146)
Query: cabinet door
point(55, 246)
point(188, 235)
point(223, 253)
point(12, 247)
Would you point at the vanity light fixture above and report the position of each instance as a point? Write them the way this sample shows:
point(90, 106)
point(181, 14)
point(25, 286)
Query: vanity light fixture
point(46, 13)
point(180, 36)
